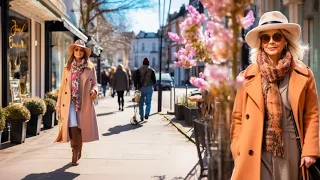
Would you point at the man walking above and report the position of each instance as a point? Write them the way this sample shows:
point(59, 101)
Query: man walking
point(144, 80)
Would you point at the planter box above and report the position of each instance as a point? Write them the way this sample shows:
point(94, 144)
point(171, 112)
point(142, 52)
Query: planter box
point(18, 131)
point(6, 133)
point(34, 125)
point(190, 113)
point(48, 120)
point(178, 111)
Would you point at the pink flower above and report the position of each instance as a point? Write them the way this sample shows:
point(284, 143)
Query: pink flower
point(239, 81)
point(248, 20)
point(215, 74)
point(174, 37)
point(201, 75)
point(200, 83)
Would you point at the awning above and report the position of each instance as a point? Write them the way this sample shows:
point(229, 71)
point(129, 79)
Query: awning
point(73, 29)
point(33, 9)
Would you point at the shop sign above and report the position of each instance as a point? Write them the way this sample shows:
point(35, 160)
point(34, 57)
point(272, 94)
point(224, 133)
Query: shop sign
point(14, 32)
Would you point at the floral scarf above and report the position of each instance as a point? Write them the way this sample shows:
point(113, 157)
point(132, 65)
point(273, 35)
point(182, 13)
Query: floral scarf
point(272, 99)
point(76, 71)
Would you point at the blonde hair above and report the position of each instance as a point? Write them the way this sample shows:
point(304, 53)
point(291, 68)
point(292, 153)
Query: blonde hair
point(296, 47)
point(71, 57)
point(120, 68)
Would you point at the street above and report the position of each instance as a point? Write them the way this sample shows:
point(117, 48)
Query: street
point(152, 150)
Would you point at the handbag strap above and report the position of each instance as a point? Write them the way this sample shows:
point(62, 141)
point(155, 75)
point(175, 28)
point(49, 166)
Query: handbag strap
point(296, 132)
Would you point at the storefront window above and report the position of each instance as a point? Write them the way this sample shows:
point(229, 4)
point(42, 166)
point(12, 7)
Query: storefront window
point(19, 56)
point(60, 42)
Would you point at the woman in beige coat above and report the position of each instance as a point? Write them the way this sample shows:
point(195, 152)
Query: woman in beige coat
point(75, 108)
point(263, 140)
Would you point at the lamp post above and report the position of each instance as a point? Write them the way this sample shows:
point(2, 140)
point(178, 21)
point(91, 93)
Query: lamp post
point(160, 68)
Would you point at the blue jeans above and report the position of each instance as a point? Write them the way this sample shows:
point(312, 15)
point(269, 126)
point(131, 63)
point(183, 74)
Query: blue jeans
point(104, 90)
point(146, 96)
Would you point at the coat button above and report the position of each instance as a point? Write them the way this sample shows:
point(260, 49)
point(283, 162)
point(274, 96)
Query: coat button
point(63, 105)
point(247, 116)
point(66, 79)
point(250, 152)
point(90, 79)
point(65, 92)
point(238, 153)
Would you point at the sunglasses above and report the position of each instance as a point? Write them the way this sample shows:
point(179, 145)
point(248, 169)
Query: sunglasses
point(79, 49)
point(265, 38)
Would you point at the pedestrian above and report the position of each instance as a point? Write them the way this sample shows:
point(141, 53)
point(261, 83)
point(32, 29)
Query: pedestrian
point(130, 81)
point(278, 90)
point(120, 84)
point(75, 108)
point(112, 71)
point(145, 78)
point(104, 81)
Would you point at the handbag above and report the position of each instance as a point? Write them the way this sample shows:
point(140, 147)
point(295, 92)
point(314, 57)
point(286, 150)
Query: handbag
point(314, 169)
point(137, 96)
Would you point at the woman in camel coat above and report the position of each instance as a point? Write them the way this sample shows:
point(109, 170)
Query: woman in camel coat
point(263, 140)
point(78, 89)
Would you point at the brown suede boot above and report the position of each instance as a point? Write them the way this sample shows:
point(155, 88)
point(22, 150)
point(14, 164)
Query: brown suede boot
point(80, 143)
point(74, 142)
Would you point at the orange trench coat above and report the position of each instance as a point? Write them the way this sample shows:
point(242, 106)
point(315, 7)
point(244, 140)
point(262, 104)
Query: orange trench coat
point(248, 119)
point(88, 120)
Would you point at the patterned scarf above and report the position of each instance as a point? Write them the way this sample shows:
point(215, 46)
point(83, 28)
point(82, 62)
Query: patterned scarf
point(271, 76)
point(76, 71)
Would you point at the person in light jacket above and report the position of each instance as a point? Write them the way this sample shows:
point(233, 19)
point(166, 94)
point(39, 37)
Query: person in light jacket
point(75, 108)
point(120, 84)
point(278, 90)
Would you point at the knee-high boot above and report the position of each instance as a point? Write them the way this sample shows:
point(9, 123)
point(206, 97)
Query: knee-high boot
point(74, 142)
point(80, 143)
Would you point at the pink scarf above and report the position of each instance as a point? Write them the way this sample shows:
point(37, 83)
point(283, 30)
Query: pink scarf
point(76, 71)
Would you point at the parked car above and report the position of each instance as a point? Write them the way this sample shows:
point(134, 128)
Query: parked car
point(166, 81)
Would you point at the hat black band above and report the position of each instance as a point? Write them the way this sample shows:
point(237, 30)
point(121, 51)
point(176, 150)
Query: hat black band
point(272, 22)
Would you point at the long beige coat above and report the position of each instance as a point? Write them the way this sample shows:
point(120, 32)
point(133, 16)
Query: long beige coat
point(88, 120)
point(248, 119)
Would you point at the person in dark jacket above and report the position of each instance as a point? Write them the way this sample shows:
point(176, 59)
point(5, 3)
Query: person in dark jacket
point(120, 84)
point(104, 81)
point(145, 78)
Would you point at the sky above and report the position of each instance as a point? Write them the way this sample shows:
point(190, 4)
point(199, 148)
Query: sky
point(148, 20)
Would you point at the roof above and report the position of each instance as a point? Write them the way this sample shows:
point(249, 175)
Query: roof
point(143, 34)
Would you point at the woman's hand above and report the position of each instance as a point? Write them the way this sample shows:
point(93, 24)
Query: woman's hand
point(307, 161)
point(93, 94)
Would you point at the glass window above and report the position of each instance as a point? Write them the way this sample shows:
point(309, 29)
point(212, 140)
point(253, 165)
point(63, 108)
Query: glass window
point(142, 47)
point(153, 61)
point(153, 46)
point(19, 56)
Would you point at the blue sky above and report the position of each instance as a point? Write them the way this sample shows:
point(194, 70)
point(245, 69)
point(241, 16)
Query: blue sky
point(148, 20)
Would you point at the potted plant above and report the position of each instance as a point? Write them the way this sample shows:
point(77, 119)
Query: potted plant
point(17, 116)
point(178, 108)
point(37, 108)
point(190, 112)
point(49, 116)
point(53, 95)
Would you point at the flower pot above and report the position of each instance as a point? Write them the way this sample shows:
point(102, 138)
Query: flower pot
point(48, 120)
point(56, 120)
point(34, 125)
point(6, 133)
point(18, 131)
point(178, 110)
point(190, 113)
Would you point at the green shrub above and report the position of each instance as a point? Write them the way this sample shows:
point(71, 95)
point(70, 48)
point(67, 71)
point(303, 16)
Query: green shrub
point(51, 104)
point(52, 94)
point(2, 119)
point(35, 105)
point(16, 112)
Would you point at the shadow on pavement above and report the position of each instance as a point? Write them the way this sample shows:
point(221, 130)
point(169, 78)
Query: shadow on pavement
point(121, 128)
point(164, 178)
point(54, 175)
point(193, 172)
point(106, 114)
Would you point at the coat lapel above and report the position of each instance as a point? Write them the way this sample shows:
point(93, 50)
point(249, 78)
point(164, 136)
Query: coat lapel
point(253, 85)
point(298, 80)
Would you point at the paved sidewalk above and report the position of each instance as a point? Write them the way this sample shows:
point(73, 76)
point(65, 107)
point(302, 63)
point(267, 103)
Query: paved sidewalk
point(152, 150)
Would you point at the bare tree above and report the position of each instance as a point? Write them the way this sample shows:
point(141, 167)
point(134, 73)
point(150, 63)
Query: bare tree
point(91, 9)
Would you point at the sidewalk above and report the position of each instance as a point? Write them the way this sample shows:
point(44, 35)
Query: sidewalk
point(152, 150)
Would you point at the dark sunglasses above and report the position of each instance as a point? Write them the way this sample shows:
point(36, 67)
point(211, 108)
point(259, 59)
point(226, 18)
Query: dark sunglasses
point(265, 38)
point(79, 49)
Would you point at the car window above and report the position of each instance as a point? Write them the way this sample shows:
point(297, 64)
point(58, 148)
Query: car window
point(164, 76)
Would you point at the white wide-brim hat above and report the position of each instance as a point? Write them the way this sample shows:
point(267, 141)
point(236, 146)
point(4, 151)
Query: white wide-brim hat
point(268, 21)
point(79, 43)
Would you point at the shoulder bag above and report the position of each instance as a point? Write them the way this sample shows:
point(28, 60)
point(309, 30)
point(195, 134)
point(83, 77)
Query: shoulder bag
point(314, 169)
